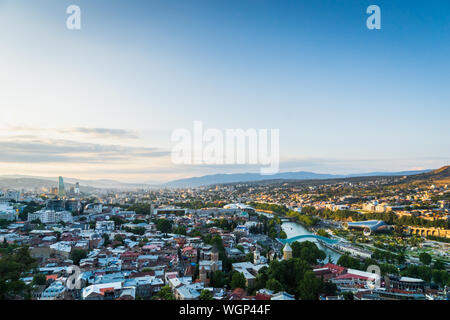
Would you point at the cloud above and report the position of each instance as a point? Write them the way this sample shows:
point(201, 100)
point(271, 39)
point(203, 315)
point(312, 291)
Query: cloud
point(103, 132)
point(37, 150)
point(106, 133)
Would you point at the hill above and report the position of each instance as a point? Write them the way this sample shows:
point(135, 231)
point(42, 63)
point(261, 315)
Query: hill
point(255, 177)
point(438, 176)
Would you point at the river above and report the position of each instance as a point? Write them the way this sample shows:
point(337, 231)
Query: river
point(294, 229)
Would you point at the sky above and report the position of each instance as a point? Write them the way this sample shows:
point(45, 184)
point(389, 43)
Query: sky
point(103, 101)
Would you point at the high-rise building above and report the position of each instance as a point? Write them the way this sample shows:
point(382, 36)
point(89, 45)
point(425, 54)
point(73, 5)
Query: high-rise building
point(61, 188)
point(77, 188)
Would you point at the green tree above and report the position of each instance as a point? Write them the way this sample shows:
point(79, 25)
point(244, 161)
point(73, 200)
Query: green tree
point(39, 279)
point(117, 220)
point(274, 285)
point(105, 237)
point(310, 287)
point(237, 280)
point(349, 262)
point(307, 251)
point(76, 255)
point(348, 295)
point(218, 279)
point(164, 225)
point(206, 295)
point(13, 264)
point(180, 230)
point(425, 258)
point(438, 265)
point(165, 293)
point(440, 277)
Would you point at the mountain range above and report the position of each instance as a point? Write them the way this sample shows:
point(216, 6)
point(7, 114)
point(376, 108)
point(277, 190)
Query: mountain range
point(250, 177)
point(31, 182)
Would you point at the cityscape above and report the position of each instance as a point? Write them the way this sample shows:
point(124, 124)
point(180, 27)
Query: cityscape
point(360, 238)
point(221, 158)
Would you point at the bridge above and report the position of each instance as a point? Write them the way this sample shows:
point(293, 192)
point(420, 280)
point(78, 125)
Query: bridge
point(308, 236)
point(424, 232)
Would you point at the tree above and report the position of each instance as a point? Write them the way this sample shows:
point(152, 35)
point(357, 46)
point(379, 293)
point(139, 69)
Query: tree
point(39, 279)
point(425, 258)
point(76, 255)
point(119, 238)
point(206, 295)
point(438, 265)
point(180, 230)
point(309, 287)
point(165, 293)
point(349, 262)
point(307, 251)
point(13, 264)
point(440, 277)
point(105, 237)
point(322, 233)
point(164, 225)
point(348, 295)
point(237, 280)
point(289, 273)
point(117, 220)
point(218, 279)
point(274, 285)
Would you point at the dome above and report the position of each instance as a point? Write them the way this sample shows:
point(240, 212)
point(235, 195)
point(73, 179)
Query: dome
point(287, 248)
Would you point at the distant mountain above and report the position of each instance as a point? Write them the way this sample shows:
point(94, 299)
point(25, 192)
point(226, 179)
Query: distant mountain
point(250, 177)
point(381, 174)
point(33, 182)
point(441, 175)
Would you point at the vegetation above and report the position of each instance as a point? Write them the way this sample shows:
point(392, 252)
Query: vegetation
point(425, 258)
point(39, 279)
point(237, 280)
point(165, 293)
point(307, 251)
point(295, 275)
point(164, 225)
point(206, 295)
point(77, 255)
point(14, 263)
point(30, 208)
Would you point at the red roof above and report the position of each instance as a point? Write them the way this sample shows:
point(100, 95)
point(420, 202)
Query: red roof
point(51, 276)
point(334, 268)
point(351, 276)
point(105, 290)
point(260, 296)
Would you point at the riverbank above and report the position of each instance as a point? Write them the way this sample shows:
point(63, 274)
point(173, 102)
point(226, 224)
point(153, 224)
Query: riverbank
point(294, 229)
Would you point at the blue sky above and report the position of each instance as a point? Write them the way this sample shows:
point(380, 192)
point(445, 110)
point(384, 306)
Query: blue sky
point(346, 99)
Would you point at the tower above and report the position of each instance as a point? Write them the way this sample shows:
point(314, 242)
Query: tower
point(256, 257)
point(287, 252)
point(214, 254)
point(202, 275)
point(61, 188)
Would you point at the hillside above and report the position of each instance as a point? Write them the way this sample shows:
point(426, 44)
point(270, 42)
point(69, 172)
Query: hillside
point(282, 176)
point(438, 176)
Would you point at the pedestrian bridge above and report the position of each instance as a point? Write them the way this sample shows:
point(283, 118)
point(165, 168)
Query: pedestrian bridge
point(308, 236)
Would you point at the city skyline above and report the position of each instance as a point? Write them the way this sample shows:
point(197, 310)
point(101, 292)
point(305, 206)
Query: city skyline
point(103, 101)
